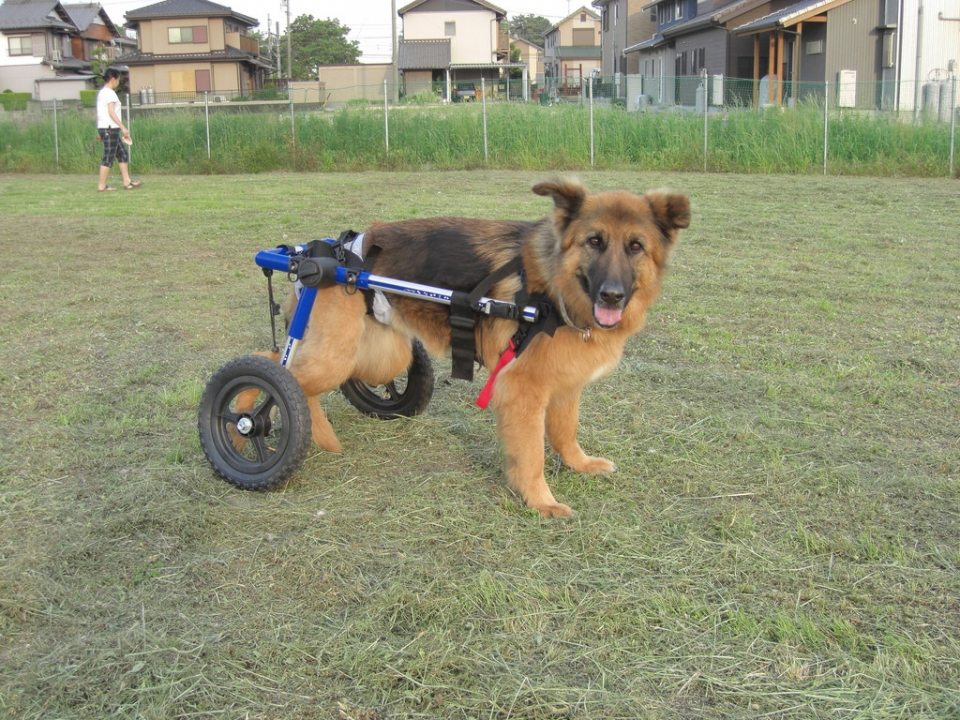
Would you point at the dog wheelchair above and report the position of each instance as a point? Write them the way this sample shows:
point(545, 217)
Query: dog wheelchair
point(254, 421)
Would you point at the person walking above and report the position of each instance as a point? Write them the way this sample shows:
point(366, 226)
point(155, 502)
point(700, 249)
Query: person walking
point(110, 128)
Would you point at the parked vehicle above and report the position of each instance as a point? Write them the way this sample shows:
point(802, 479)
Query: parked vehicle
point(466, 92)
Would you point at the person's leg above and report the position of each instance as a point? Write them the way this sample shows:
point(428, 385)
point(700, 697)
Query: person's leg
point(104, 174)
point(110, 142)
point(123, 160)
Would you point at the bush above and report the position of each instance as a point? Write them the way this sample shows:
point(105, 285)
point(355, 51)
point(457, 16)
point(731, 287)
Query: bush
point(14, 101)
point(88, 98)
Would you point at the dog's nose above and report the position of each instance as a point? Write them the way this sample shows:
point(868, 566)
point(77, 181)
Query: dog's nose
point(612, 295)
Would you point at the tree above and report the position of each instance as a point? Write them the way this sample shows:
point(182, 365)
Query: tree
point(515, 57)
point(319, 42)
point(530, 27)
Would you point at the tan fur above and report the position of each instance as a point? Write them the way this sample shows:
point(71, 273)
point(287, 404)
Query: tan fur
point(538, 394)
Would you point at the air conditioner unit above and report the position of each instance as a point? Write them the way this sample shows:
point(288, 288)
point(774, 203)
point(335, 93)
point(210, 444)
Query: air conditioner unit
point(57, 56)
point(220, 98)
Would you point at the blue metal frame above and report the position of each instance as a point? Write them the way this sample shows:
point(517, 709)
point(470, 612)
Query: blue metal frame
point(281, 258)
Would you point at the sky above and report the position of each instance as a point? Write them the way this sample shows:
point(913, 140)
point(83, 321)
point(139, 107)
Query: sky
point(369, 20)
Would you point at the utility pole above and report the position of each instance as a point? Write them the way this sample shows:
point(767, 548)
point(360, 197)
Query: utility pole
point(286, 6)
point(394, 49)
point(277, 48)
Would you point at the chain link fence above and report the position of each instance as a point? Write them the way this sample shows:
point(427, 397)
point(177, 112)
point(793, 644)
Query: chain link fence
point(707, 122)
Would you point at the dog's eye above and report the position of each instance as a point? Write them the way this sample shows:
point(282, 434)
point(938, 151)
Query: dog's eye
point(595, 241)
point(636, 246)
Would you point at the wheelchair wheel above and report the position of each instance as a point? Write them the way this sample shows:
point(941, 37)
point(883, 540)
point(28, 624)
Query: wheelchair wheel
point(405, 396)
point(254, 423)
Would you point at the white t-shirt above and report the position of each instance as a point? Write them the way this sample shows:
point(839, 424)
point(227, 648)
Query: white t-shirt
point(105, 98)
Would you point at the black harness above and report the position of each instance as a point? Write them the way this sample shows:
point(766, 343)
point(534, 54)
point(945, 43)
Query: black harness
point(463, 305)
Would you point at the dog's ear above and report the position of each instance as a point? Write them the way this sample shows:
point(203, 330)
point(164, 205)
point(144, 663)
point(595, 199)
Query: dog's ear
point(672, 212)
point(568, 197)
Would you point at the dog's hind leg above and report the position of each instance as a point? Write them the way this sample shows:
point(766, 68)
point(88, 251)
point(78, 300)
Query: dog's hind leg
point(327, 355)
point(563, 418)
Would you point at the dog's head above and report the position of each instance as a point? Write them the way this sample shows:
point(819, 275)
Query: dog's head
point(610, 249)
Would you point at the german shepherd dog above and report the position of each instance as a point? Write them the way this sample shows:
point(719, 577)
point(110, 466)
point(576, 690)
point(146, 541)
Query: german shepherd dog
point(599, 258)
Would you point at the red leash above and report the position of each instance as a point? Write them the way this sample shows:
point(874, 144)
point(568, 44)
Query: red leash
point(487, 393)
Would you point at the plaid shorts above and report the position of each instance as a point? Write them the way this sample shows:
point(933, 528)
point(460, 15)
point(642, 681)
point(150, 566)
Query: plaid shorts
point(112, 147)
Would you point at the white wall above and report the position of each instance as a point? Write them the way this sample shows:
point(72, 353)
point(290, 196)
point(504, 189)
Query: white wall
point(476, 38)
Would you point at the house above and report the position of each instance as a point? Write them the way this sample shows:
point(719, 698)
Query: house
point(876, 54)
point(624, 23)
point(453, 45)
point(531, 55)
point(692, 37)
point(863, 52)
point(572, 51)
point(43, 50)
point(97, 37)
point(189, 47)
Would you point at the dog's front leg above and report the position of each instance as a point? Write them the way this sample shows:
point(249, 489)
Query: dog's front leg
point(563, 418)
point(520, 424)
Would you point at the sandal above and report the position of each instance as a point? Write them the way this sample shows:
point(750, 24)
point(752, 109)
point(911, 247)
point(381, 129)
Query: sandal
point(134, 184)
point(108, 188)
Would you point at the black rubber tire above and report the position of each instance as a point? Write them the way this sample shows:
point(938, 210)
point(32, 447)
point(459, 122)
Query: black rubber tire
point(405, 396)
point(278, 438)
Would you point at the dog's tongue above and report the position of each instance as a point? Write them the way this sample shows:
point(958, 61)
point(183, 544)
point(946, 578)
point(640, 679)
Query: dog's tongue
point(607, 316)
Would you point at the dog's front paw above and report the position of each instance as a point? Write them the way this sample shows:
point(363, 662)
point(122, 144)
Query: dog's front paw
point(554, 510)
point(594, 465)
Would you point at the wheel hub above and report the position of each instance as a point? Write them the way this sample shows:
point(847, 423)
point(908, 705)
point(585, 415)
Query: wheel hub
point(245, 426)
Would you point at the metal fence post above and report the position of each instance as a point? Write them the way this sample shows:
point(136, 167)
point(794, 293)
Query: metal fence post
point(386, 121)
point(826, 123)
point(483, 103)
point(953, 120)
point(56, 136)
point(703, 82)
point(129, 123)
point(590, 96)
point(206, 117)
point(293, 124)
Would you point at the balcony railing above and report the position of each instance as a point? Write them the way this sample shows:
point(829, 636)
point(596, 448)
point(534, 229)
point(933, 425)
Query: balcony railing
point(247, 44)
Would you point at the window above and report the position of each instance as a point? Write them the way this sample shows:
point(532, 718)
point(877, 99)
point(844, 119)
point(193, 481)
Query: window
point(678, 10)
point(450, 29)
point(666, 13)
point(583, 37)
point(697, 60)
point(21, 45)
point(183, 81)
point(606, 19)
point(202, 81)
point(195, 34)
point(583, 17)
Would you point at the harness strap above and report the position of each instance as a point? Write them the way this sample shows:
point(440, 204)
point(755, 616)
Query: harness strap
point(463, 319)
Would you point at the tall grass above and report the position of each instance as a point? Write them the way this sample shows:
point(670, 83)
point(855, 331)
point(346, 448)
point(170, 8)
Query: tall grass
point(519, 137)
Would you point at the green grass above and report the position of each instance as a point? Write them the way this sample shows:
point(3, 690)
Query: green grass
point(519, 137)
point(781, 539)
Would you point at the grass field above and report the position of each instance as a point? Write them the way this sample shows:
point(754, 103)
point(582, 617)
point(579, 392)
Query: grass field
point(507, 136)
point(782, 539)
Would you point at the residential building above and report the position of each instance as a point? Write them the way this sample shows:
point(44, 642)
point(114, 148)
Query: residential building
point(97, 37)
point(572, 51)
point(531, 55)
point(624, 23)
point(863, 52)
point(453, 44)
point(46, 47)
point(189, 47)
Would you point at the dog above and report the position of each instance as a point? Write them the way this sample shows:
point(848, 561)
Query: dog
point(598, 259)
